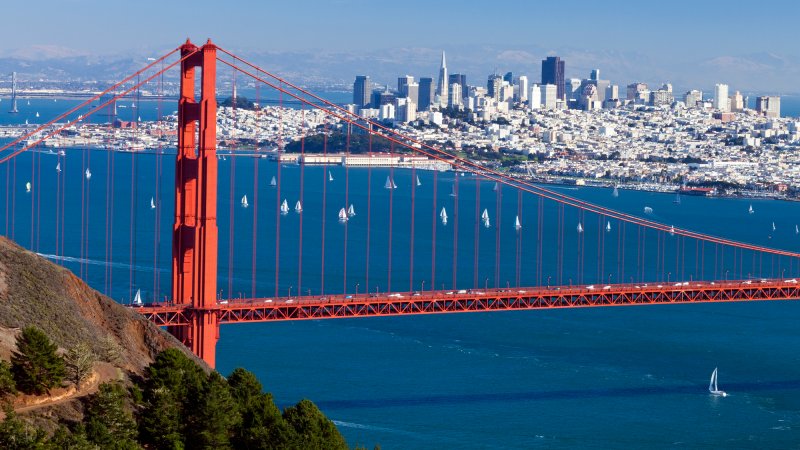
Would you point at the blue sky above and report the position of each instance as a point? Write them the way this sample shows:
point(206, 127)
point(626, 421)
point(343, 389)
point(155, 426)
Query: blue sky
point(687, 41)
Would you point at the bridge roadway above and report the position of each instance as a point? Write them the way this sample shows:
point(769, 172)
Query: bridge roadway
point(452, 301)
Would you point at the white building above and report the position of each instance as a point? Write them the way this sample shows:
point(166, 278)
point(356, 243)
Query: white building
point(535, 97)
point(455, 99)
point(721, 97)
point(549, 96)
point(523, 88)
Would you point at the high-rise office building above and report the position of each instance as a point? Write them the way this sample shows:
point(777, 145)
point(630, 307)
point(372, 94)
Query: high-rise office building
point(612, 92)
point(442, 88)
point(455, 99)
point(553, 73)
point(693, 98)
point(638, 92)
point(402, 85)
point(461, 79)
point(426, 93)
point(549, 96)
point(721, 97)
point(736, 102)
point(769, 106)
point(493, 85)
point(522, 89)
point(362, 89)
point(595, 75)
point(535, 97)
point(509, 78)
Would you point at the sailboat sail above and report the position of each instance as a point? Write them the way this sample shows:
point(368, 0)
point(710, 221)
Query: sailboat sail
point(418, 182)
point(443, 216)
point(273, 182)
point(330, 176)
point(485, 218)
point(750, 210)
point(580, 228)
point(88, 174)
point(351, 211)
point(342, 215)
point(608, 226)
point(152, 203)
point(773, 226)
point(244, 201)
point(389, 183)
point(298, 208)
point(712, 385)
point(137, 299)
point(517, 224)
point(615, 193)
point(28, 186)
point(285, 207)
point(671, 230)
point(496, 186)
point(58, 167)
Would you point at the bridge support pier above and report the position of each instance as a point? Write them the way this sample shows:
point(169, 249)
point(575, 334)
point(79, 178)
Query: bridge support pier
point(195, 234)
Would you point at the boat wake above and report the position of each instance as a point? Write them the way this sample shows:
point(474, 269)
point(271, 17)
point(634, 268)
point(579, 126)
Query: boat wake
point(95, 262)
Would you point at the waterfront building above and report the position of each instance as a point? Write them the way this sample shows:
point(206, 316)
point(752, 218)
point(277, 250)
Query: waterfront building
point(553, 73)
point(426, 93)
point(442, 87)
point(362, 88)
point(721, 97)
point(769, 106)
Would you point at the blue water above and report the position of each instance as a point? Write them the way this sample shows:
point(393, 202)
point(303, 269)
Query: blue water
point(596, 378)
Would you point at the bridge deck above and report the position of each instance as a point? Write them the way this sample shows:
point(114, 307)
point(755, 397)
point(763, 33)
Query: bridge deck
point(437, 302)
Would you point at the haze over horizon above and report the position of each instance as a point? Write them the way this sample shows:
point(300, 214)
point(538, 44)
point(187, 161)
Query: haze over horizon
point(690, 44)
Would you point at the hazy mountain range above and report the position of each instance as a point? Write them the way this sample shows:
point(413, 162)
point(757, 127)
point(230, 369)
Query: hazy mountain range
point(760, 72)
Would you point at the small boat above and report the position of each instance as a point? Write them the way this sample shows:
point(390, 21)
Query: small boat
point(712, 385)
point(773, 226)
point(330, 176)
point(453, 190)
point(615, 193)
point(351, 211)
point(580, 228)
point(37, 114)
point(418, 182)
point(671, 230)
point(88, 174)
point(28, 186)
point(648, 210)
point(298, 208)
point(443, 216)
point(608, 226)
point(137, 299)
point(244, 201)
point(389, 183)
point(273, 182)
point(496, 186)
point(342, 215)
point(485, 218)
point(751, 210)
point(152, 203)
point(58, 167)
point(518, 225)
point(796, 230)
point(284, 207)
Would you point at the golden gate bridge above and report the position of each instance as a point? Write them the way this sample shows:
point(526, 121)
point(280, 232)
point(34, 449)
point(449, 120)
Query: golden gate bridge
point(553, 267)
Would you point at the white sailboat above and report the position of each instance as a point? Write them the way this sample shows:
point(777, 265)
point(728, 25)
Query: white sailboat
point(496, 186)
point(88, 174)
point(485, 218)
point(443, 216)
point(330, 176)
point(273, 182)
point(58, 167)
point(517, 224)
point(608, 226)
point(648, 210)
point(580, 228)
point(615, 193)
point(298, 208)
point(37, 114)
point(796, 230)
point(418, 182)
point(137, 299)
point(244, 201)
point(152, 203)
point(28, 186)
point(712, 385)
point(284, 207)
point(342, 215)
point(351, 211)
point(671, 230)
point(389, 183)
point(751, 210)
point(773, 226)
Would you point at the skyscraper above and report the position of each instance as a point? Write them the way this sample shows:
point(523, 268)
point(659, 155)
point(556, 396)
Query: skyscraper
point(553, 73)
point(455, 98)
point(522, 84)
point(549, 96)
point(362, 89)
point(769, 106)
point(461, 79)
point(535, 97)
point(721, 97)
point(509, 78)
point(493, 85)
point(426, 93)
point(402, 85)
point(441, 87)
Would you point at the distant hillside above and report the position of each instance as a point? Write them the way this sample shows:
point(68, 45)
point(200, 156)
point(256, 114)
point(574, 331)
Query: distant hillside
point(34, 291)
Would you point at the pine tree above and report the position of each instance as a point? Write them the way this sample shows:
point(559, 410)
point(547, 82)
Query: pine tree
point(16, 434)
point(36, 366)
point(161, 422)
point(109, 422)
point(79, 361)
point(314, 430)
point(7, 384)
point(262, 426)
point(214, 416)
